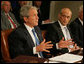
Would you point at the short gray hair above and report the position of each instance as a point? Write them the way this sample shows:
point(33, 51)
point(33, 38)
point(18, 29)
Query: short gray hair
point(65, 9)
point(80, 8)
point(3, 3)
point(24, 11)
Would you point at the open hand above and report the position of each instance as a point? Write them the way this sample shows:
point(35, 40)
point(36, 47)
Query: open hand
point(65, 44)
point(44, 46)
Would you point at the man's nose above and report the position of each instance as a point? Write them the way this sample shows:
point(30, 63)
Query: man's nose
point(37, 17)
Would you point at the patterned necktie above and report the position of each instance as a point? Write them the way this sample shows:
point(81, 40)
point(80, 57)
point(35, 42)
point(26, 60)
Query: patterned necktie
point(11, 21)
point(37, 41)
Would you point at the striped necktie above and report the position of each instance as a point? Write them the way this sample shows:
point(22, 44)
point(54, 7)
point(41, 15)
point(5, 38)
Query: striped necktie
point(11, 21)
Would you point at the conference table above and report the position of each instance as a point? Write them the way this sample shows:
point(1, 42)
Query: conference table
point(31, 59)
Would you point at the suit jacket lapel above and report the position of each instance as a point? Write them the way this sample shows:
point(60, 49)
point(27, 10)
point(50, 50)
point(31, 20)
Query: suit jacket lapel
point(58, 29)
point(78, 21)
point(39, 35)
point(28, 36)
point(70, 31)
point(7, 23)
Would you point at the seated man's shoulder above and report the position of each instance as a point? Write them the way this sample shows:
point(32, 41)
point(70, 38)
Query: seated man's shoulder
point(18, 30)
point(73, 24)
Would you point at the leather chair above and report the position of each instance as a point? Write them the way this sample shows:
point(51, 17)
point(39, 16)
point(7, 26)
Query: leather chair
point(47, 55)
point(43, 33)
point(4, 45)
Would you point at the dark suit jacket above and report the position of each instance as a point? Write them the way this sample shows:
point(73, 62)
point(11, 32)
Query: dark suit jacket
point(77, 30)
point(78, 22)
point(5, 24)
point(55, 34)
point(16, 12)
point(21, 43)
point(44, 13)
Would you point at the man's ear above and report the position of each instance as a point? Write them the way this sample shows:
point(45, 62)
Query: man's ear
point(25, 19)
point(58, 15)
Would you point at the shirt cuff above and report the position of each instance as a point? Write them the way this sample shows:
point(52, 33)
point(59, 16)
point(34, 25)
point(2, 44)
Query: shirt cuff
point(34, 50)
point(57, 46)
point(43, 22)
point(69, 50)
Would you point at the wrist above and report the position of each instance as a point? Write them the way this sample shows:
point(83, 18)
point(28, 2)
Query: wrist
point(37, 49)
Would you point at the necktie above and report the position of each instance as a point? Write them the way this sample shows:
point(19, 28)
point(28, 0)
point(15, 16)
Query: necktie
point(67, 33)
point(11, 21)
point(37, 41)
point(68, 36)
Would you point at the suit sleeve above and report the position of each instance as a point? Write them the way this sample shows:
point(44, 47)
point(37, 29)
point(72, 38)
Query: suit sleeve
point(18, 45)
point(3, 26)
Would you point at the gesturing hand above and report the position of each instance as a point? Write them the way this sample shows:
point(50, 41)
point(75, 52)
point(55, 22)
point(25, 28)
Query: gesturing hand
point(75, 48)
point(44, 46)
point(65, 44)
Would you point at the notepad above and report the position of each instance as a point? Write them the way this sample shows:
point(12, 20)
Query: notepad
point(68, 58)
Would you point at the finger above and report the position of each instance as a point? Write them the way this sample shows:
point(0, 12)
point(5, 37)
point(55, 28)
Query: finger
point(46, 50)
point(69, 40)
point(73, 42)
point(48, 42)
point(75, 45)
point(63, 38)
point(63, 46)
point(70, 43)
point(43, 41)
point(49, 45)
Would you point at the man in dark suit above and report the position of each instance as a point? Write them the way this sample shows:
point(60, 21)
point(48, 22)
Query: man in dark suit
point(59, 33)
point(7, 18)
point(16, 10)
point(77, 27)
point(27, 38)
point(43, 13)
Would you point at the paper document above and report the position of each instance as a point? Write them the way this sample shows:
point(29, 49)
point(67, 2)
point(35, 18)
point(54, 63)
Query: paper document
point(68, 58)
point(51, 62)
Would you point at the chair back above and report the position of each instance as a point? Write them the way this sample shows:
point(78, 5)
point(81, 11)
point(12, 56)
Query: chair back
point(43, 33)
point(4, 45)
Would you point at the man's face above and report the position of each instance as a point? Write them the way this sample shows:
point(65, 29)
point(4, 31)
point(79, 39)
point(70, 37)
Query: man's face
point(32, 20)
point(6, 6)
point(81, 14)
point(65, 17)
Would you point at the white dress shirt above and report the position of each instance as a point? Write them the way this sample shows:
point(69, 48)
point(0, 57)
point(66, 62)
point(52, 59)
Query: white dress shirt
point(64, 33)
point(33, 38)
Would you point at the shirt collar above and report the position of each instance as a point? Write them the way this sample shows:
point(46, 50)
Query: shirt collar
point(81, 21)
point(61, 25)
point(28, 27)
point(6, 13)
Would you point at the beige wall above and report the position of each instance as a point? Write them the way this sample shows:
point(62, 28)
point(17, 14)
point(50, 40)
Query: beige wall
point(56, 6)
